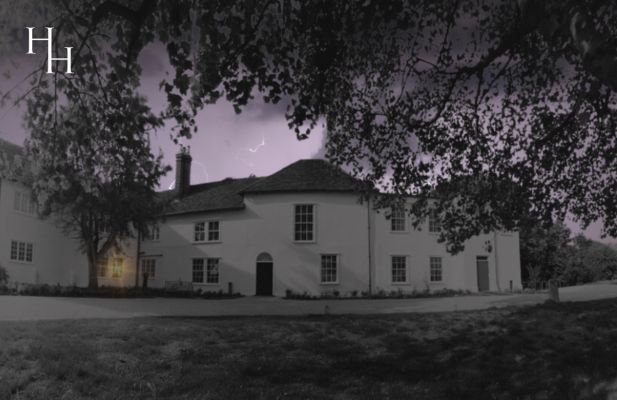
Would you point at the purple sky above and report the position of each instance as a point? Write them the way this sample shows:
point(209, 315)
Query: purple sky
point(257, 141)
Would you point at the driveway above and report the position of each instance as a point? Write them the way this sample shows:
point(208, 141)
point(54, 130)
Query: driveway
point(16, 308)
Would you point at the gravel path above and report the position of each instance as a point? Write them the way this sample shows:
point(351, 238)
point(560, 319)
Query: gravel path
point(16, 308)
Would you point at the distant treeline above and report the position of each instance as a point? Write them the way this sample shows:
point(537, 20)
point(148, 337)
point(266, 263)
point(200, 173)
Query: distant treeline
point(551, 253)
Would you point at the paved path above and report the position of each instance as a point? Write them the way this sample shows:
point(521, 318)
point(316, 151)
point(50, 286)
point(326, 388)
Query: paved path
point(15, 308)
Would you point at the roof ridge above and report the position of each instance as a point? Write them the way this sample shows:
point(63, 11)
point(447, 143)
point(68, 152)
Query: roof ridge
point(313, 174)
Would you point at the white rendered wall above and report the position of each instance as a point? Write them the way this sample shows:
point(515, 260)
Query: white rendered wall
point(56, 257)
point(266, 225)
point(459, 271)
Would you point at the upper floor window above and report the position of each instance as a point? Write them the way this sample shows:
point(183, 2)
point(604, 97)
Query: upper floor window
point(399, 269)
point(434, 225)
point(398, 220)
point(21, 251)
point(200, 231)
point(153, 233)
point(304, 222)
point(329, 268)
point(436, 269)
point(213, 233)
point(148, 266)
point(24, 203)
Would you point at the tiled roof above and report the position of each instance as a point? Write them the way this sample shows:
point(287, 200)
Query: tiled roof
point(301, 176)
point(307, 176)
point(10, 149)
point(211, 196)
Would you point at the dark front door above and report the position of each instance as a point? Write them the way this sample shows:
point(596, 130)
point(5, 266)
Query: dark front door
point(482, 267)
point(264, 279)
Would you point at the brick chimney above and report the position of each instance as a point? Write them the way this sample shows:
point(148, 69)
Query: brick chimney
point(183, 171)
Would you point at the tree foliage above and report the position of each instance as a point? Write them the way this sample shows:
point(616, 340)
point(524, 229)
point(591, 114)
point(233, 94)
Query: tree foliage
point(4, 276)
point(413, 93)
point(92, 170)
point(545, 251)
point(588, 261)
point(551, 253)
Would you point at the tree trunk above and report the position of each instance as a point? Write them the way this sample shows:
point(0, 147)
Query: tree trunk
point(93, 276)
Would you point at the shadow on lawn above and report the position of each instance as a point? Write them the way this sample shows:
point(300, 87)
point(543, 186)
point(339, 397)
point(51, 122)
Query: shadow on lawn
point(551, 351)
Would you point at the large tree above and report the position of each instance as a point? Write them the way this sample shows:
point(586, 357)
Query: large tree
point(413, 93)
point(545, 252)
point(92, 170)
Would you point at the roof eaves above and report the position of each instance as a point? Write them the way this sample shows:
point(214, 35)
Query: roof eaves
point(202, 211)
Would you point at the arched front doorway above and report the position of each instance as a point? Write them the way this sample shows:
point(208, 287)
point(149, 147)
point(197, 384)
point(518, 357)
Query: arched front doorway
point(263, 275)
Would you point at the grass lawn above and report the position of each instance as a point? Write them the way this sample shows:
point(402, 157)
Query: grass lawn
point(560, 351)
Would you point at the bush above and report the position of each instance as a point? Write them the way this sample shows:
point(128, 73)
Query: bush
point(4, 279)
point(381, 294)
point(117, 292)
point(4, 276)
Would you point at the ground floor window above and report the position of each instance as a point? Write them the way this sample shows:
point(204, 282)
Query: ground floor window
point(212, 272)
point(101, 266)
point(198, 270)
point(206, 270)
point(117, 268)
point(21, 251)
point(148, 266)
point(436, 269)
point(329, 268)
point(399, 269)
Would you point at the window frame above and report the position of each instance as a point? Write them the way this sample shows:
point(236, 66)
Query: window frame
point(430, 272)
point(405, 269)
point(143, 266)
point(151, 236)
point(204, 234)
point(313, 223)
point(210, 230)
point(337, 270)
point(394, 217)
point(207, 273)
point(23, 203)
point(19, 251)
point(201, 232)
point(434, 224)
point(193, 270)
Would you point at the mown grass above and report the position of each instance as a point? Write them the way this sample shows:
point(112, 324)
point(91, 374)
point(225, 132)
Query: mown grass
point(558, 351)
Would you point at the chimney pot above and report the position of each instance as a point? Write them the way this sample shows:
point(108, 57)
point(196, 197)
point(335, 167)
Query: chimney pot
point(183, 171)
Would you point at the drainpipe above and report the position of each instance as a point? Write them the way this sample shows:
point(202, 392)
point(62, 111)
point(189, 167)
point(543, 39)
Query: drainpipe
point(370, 245)
point(496, 261)
point(137, 259)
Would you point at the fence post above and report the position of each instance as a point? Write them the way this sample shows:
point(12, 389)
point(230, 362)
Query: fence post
point(553, 291)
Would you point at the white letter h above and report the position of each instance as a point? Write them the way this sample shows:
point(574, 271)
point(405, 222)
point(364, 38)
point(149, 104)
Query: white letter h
point(50, 57)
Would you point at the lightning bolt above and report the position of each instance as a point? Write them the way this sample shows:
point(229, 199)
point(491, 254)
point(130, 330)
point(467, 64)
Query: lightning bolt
point(260, 145)
point(203, 169)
